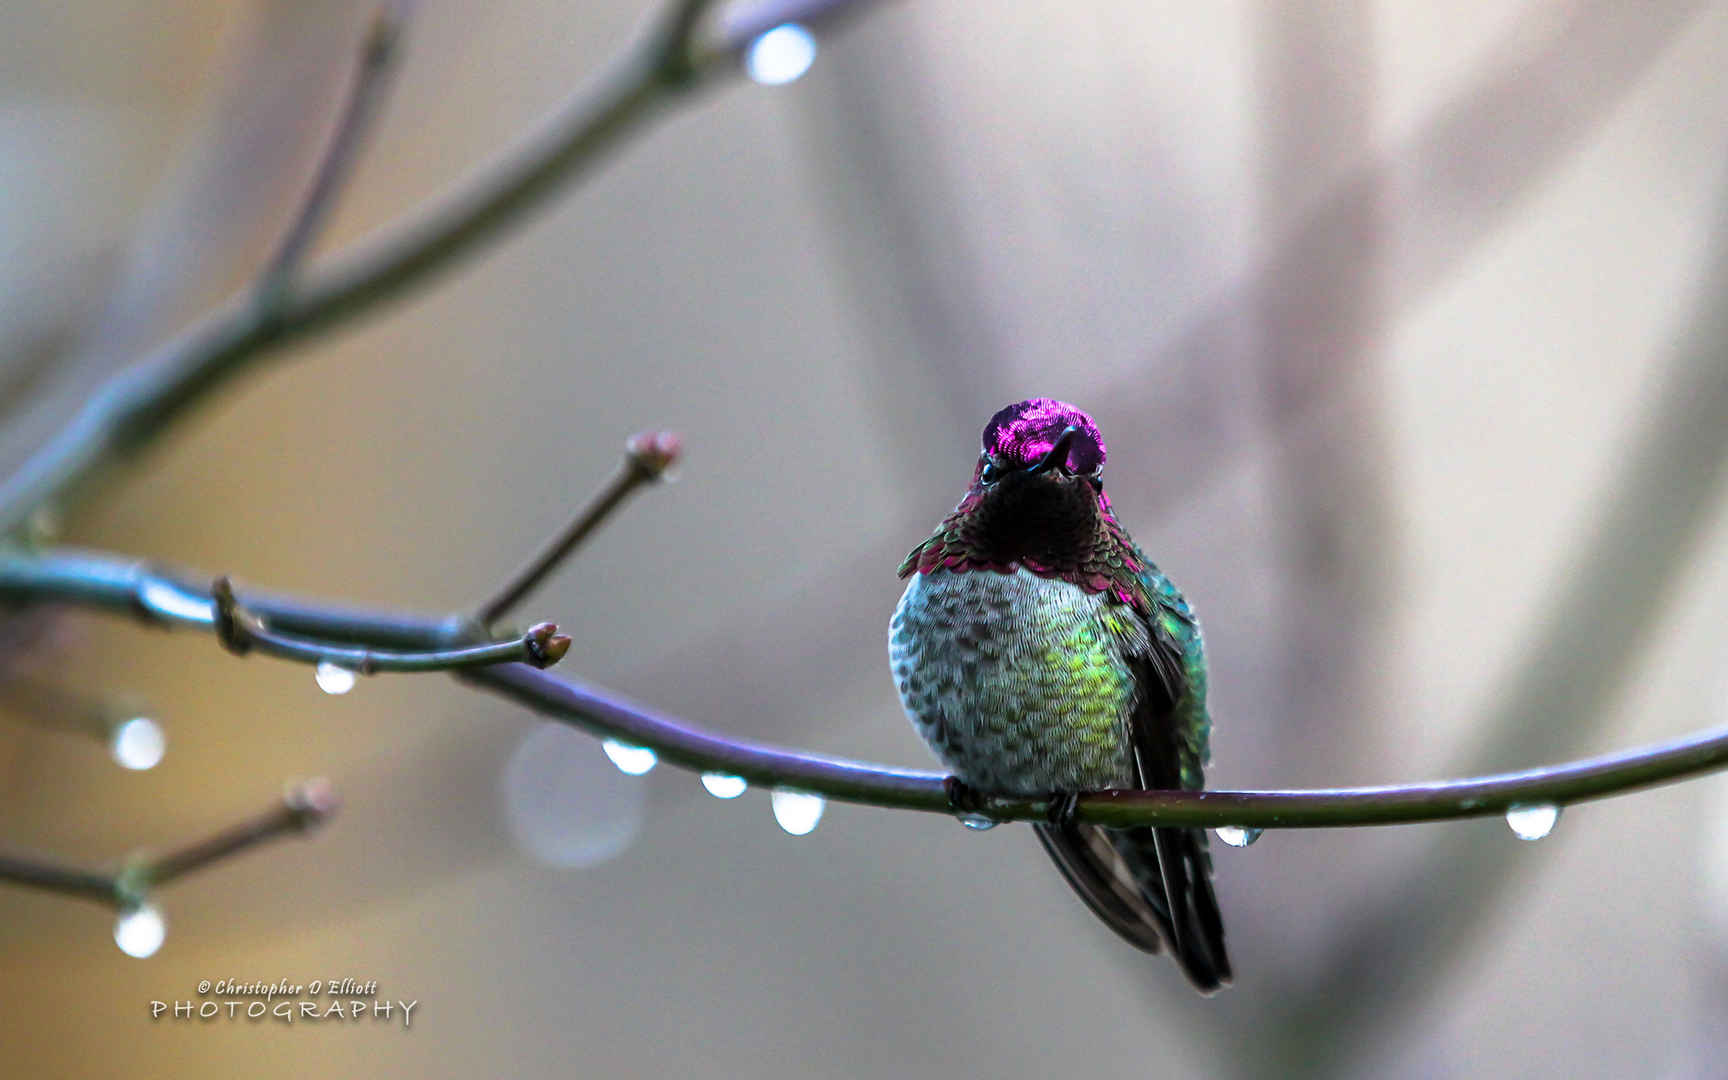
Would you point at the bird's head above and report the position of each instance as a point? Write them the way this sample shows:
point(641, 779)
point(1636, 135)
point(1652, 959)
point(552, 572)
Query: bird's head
point(1037, 494)
point(1036, 501)
point(1041, 451)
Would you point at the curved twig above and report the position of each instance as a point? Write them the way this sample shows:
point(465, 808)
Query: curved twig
point(1484, 796)
point(240, 631)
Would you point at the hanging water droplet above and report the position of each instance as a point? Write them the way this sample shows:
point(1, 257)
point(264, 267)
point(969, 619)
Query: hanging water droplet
point(1532, 822)
point(1238, 835)
point(140, 931)
point(978, 822)
point(722, 786)
point(333, 678)
point(797, 812)
point(138, 743)
point(781, 55)
point(632, 760)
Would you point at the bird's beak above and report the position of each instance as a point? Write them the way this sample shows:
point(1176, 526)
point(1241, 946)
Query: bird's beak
point(1058, 453)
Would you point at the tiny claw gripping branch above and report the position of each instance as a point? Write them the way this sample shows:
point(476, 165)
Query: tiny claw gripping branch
point(963, 799)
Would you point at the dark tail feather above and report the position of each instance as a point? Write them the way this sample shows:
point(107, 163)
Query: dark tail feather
point(1094, 869)
point(1186, 872)
point(1134, 879)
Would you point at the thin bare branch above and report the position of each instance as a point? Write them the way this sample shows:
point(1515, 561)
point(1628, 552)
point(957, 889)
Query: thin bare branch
point(240, 631)
point(647, 457)
point(88, 579)
point(1486, 796)
point(53, 707)
point(301, 808)
point(165, 598)
point(371, 80)
point(136, 404)
point(364, 642)
point(36, 873)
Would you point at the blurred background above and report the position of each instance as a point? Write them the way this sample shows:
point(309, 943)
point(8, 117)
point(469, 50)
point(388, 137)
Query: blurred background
point(1404, 327)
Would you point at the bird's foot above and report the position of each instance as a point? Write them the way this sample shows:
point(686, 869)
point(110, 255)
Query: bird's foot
point(963, 798)
point(1063, 806)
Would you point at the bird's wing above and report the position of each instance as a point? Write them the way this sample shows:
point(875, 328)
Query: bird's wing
point(1153, 886)
point(1168, 729)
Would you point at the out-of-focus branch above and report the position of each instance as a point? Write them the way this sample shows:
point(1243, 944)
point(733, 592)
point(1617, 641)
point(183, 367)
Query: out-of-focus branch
point(53, 707)
point(366, 93)
point(161, 598)
point(647, 456)
point(140, 402)
point(1559, 693)
point(302, 808)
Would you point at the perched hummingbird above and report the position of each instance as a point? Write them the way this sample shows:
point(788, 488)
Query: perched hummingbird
point(1039, 652)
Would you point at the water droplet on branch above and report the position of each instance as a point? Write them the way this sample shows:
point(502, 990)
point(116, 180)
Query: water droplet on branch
point(632, 760)
point(1532, 822)
point(722, 786)
point(978, 822)
point(333, 678)
point(797, 811)
point(140, 931)
point(781, 55)
point(1238, 835)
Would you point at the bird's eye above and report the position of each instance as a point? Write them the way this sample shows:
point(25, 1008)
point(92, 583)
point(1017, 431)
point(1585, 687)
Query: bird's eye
point(1096, 479)
point(992, 473)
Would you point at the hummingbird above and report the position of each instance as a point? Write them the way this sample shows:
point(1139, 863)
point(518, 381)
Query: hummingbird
point(1039, 652)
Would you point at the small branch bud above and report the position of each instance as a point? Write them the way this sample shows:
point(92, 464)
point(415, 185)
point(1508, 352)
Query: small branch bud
point(312, 802)
point(653, 452)
point(545, 646)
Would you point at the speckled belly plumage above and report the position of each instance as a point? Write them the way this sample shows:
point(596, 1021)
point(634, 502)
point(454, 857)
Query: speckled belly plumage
point(1014, 680)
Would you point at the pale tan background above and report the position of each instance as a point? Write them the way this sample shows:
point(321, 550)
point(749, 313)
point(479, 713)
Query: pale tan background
point(1367, 297)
